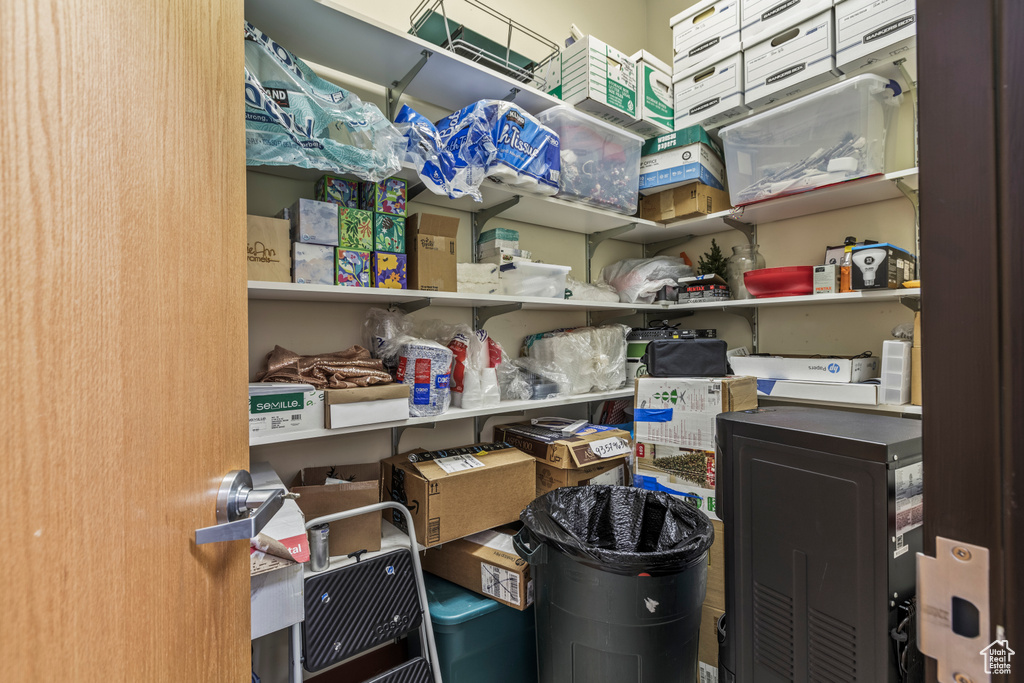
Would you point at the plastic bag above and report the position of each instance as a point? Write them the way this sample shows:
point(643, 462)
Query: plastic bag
point(621, 530)
point(609, 356)
point(638, 280)
point(295, 118)
point(587, 358)
point(382, 330)
point(599, 291)
point(425, 366)
point(490, 138)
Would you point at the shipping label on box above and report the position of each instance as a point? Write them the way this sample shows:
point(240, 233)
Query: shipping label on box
point(268, 251)
point(710, 95)
point(388, 196)
point(655, 115)
point(485, 563)
point(340, 191)
point(777, 71)
point(355, 229)
point(704, 33)
point(280, 408)
point(592, 444)
point(600, 80)
point(389, 270)
point(313, 222)
point(868, 31)
point(682, 411)
point(353, 268)
point(388, 233)
point(312, 264)
point(762, 18)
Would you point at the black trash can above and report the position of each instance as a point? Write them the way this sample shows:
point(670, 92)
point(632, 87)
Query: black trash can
point(620, 580)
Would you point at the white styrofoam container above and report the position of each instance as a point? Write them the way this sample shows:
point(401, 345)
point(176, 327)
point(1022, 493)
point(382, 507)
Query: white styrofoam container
point(761, 18)
point(789, 62)
point(839, 392)
point(868, 31)
point(839, 133)
point(654, 111)
point(711, 95)
point(705, 33)
point(895, 387)
point(599, 79)
point(806, 369)
point(281, 408)
point(524, 278)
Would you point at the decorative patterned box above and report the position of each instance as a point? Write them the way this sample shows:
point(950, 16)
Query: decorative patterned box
point(389, 270)
point(355, 229)
point(388, 233)
point(312, 264)
point(344, 193)
point(313, 222)
point(387, 196)
point(353, 268)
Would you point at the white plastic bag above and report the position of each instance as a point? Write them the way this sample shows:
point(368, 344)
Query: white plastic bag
point(581, 291)
point(638, 280)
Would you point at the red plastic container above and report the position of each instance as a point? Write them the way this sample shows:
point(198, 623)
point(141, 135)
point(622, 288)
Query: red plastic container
point(786, 281)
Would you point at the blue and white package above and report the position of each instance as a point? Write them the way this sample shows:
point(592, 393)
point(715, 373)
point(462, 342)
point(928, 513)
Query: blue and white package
point(295, 118)
point(489, 139)
point(425, 366)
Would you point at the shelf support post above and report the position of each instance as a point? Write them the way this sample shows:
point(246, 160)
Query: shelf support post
point(594, 239)
point(414, 191)
point(394, 93)
point(911, 302)
point(482, 315)
point(480, 218)
point(748, 229)
point(480, 421)
point(511, 96)
point(912, 90)
point(912, 194)
point(412, 306)
point(653, 248)
point(396, 434)
point(750, 315)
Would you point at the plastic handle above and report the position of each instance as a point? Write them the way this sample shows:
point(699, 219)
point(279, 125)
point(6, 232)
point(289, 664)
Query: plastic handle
point(536, 556)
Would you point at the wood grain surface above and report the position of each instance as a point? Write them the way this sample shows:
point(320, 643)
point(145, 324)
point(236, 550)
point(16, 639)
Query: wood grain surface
point(123, 328)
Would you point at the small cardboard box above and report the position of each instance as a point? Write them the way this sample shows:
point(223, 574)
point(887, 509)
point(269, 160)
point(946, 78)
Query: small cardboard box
point(355, 229)
point(834, 392)
point(679, 158)
point(453, 497)
point(654, 96)
point(353, 268)
point(868, 31)
point(280, 408)
point(269, 250)
point(880, 266)
point(762, 18)
point(313, 222)
point(807, 369)
point(326, 490)
point(388, 196)
point(600, 80)
point(567, 452)
point(917, 330)
point(915, 375)
point(366, 405)
point(485, 563)
point(704, 33)
point(709, 95)
point(431, 250)
point(695, 199)
point(389, 270)
point(337, 190)
point(312, 264)
point(612, 472)
point(679, 411)
point(707, 648)
point(826, 279)
point(388, 233)
point(789, 61)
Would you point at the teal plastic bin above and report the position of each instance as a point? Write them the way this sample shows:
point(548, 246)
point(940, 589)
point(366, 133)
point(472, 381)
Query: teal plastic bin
point(480, 640)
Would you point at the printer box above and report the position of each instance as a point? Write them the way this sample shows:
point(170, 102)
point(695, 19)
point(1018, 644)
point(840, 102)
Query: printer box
point(710, 95)
point(682, 411)
point(485, 563)
point(791, 61)
point(704, 33)
point(679, 158)
point(868, 31)
point(592, 444)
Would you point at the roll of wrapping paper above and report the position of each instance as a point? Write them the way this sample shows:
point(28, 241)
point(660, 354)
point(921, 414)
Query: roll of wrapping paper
point(425, 366)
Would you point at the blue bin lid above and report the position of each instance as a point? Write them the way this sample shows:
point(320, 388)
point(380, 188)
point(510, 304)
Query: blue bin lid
point(451, 605)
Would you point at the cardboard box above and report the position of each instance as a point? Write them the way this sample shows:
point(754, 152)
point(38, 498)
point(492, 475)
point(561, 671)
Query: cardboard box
point(695, 199)
point(388, 196)
point(506, 234)
point(790, 61)
point(613, 472)
point(496, 245)
point(762, 18)
point(388, 233)
point(390, 270)
point(715, 596)
point(432, 263)
point(312, 264)
point(485, 563)
point(326, 490)
point(269, 250)
point(337, 190)
point(599, 80)
point(653, 480)
point(915, 375)
point(807, 369)
point(710, 95)
point(654, 112)
point(355, 229)
point(366, 405)
point(282, 408)
point(313, 222)
point(880, 266)
point(917, 329)
point(353, 268)
point(502, 256)
point(826, 279)
point(566, 452)
point(704, 33)
point(835, 392)
point(682, 411)
point(868, 31)
point(683, 157)
point(707, 649)
point(491, 490)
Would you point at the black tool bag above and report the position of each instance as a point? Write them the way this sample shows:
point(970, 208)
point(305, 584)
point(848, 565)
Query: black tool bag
point(687, 358)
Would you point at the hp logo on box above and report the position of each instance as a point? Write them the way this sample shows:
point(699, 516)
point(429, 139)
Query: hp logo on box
point(833, 368)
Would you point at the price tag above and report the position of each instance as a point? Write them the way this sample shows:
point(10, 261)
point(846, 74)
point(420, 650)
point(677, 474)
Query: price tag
point(606, 448)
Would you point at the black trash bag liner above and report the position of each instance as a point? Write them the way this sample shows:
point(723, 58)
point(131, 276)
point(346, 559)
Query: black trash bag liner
point(620, 529)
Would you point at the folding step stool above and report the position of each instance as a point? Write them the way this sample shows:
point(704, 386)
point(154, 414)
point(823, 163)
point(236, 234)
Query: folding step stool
point(355, 607)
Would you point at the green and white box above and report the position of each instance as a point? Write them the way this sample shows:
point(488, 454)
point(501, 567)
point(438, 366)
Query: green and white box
point(654, 96)
point(599, 80)
point(704, 34)
point(280, 408)
point(710, 96)
point(868, 31)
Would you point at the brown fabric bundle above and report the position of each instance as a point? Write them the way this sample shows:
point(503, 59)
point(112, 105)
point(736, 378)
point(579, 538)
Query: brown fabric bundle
point(346, 369)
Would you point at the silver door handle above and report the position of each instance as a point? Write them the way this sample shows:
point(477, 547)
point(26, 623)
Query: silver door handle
point(236, 498)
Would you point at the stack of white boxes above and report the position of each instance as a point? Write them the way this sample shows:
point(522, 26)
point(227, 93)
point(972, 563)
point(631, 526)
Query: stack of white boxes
point(730, 56)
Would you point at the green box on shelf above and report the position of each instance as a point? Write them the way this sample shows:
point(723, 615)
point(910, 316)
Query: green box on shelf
point(355, 229)
point(388, 233)
point(388, 196)
point(498, 234)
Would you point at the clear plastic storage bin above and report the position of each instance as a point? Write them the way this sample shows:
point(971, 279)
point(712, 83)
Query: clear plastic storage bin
point(895, 388)
point(833, 135)
point(600, 163)
point(523, 278)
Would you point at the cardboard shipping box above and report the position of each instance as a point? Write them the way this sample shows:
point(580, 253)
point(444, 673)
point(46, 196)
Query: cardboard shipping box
point(453, 497)
point(268, 253)
point(485, 563)
point(430, 247)
point(592, 444)
point(791, 60)
point(808, 368)
point(715, 596)
point(326, 490)
point(707, 649)
point(678, 411)
point(366, 405)
point(614, 472)
point(915, 375)
point(695, 199)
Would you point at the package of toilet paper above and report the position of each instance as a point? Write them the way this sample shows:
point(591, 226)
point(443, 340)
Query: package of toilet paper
point(488, 139)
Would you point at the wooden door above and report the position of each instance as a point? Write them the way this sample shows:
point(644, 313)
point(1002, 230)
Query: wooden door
point(122, 339)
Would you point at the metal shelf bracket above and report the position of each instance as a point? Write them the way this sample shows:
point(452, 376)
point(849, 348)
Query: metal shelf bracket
point(414, 191)
point(394, 93)
point(748, 229)
point(480, 421)
point(593, 319)
point(750, 315)
point(482, 315)
point(412, 306)
point(912, 194)
point(481, 217)
point(594, 239)
point(669, 314)
point(911, 302)
point(396, 434)
point(511, 96)
point(912, 90)
point(653, 248)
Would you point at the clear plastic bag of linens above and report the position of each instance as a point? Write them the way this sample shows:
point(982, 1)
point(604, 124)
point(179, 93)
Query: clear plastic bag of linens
point(637, 280)
point(295, 118)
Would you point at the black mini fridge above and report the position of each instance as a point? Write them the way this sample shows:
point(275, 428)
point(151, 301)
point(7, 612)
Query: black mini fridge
point(823, 514)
